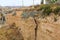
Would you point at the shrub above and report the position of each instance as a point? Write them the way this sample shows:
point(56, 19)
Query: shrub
point(25, 15)
point(57, 10)
point(33, 14)
point(53, 1)
point(44, 6)
point(46, 10)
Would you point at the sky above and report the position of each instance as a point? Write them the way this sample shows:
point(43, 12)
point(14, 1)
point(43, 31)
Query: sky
point(18, 2)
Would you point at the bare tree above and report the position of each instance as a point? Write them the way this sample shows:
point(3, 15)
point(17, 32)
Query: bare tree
point(33, 4)
point(22, 3)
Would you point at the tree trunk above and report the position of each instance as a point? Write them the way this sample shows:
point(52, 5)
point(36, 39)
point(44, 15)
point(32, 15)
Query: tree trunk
point(22, 3)
point(42, 1)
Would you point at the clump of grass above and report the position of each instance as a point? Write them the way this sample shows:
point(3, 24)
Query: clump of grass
point(33, 14)
point(57, 10)
point(25, 15)
point(46, 10)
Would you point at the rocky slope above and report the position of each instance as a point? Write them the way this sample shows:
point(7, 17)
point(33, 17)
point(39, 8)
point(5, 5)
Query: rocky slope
point(40, 23)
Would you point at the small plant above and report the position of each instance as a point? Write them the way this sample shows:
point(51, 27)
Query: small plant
point(57, 10)
point(10, 11)
point(2, 19)
point(53, 1)
point(25, 15)
point(46, 10)
point(44, 6)
point(30, 14)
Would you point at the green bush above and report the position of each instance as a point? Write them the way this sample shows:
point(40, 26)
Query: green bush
point(53, 1)
point(30, 14)
point(43, 11)
point(46, 10)
point(44, 7)
point(25, 15)
point(57, 10)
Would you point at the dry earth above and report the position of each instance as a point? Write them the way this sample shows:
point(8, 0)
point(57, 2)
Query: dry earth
point(47, 28)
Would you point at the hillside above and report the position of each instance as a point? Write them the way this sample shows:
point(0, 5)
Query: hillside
point(39, 23)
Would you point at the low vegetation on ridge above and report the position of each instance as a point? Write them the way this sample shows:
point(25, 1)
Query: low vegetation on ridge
point(42, 11)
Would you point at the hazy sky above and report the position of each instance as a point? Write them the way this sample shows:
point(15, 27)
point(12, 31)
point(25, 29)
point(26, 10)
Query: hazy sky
point(18, 2)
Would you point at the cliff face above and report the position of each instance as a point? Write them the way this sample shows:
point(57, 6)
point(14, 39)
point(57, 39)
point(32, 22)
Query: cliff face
point(47, 28)
point(27, 27)
point(33, 27)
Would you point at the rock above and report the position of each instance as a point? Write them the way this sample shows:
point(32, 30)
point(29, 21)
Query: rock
point(28, 29)
point(48, 29)
point(10, 32)
point(26, 26)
